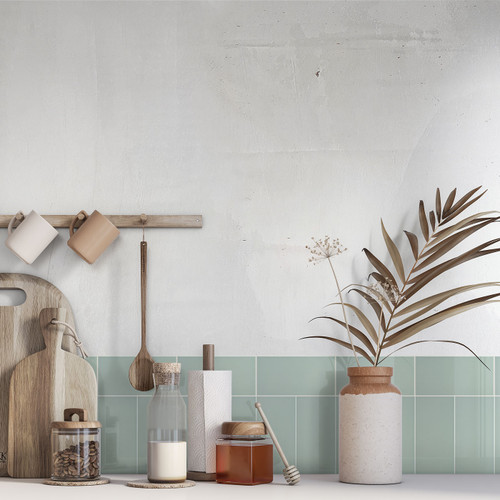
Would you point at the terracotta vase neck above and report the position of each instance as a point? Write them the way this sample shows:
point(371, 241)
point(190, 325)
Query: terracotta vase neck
point(369, 380)
point(370, 375)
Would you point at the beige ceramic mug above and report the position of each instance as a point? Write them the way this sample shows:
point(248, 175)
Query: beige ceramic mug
point(31, 237)
point(93, 237)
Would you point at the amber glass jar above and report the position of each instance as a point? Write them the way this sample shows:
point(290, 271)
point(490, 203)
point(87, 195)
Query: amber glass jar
point(244, 454)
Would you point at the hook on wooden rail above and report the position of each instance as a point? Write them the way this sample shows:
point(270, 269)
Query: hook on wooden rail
point(125, 221)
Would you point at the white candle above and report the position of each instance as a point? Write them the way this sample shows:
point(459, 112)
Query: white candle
point(166, 461)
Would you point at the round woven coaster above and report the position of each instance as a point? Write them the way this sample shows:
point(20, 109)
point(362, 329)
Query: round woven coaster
point(144, 483)
point(96, 482)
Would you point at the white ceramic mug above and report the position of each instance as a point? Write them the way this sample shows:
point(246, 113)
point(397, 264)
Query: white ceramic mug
point(31, 237)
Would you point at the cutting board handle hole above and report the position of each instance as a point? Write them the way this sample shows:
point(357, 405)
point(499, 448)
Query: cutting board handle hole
point(12, 297)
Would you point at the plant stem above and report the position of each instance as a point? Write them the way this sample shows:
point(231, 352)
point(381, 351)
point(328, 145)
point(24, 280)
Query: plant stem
point(378, 331)
point(343, 311)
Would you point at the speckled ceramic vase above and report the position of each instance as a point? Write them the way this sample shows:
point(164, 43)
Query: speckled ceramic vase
point(370, 428)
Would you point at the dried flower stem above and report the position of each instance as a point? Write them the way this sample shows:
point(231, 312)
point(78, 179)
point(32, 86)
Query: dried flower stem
point(343, 311)
point(378, 331)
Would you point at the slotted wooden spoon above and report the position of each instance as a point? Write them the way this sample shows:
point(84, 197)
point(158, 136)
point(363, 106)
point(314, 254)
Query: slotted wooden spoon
point(140, 373)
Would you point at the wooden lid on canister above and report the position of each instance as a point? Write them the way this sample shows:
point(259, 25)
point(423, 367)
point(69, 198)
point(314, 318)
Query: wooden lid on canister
point(244, 428)
point(82, 423)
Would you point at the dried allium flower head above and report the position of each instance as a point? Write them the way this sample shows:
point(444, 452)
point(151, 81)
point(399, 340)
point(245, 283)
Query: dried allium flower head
point(387, 290)
point(325, 249)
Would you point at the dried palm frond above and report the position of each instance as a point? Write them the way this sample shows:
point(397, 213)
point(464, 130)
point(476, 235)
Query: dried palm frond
point(397, 319)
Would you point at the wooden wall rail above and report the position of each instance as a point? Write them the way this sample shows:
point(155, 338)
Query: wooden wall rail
point(166, 221)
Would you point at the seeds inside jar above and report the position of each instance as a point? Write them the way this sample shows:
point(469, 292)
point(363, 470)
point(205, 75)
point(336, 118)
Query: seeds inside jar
point(80, 461)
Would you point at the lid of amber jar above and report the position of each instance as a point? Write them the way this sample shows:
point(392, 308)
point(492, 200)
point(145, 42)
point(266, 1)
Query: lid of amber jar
point(82, 423)
point(244, 428)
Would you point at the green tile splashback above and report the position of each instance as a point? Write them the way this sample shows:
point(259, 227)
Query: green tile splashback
point(435, 435)
point(317, 435)
point(474, 435)
point(408, 435)
point(445, 376)
point(281, 410)
point(451, 409)
point(296, 376)
point(118, 416)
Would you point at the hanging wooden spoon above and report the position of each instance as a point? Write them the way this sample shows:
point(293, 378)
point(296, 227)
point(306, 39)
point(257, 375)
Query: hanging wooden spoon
point(140, 373)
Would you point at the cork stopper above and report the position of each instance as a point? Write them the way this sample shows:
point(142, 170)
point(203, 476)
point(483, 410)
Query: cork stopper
point(166, 368)
point(166, 373)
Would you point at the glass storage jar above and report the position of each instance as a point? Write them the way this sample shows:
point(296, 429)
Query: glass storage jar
point(76, 448)
point(244, 454)
point(167, 427)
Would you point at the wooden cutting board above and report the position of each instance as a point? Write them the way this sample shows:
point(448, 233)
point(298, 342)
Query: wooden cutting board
point(20, 336)
point(41, 387)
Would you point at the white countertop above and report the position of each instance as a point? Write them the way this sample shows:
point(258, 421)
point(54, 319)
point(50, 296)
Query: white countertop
point(312, 487)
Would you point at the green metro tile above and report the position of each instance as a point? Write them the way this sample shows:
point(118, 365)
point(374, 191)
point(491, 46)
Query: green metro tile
point(317, 425)
point(296, 376)
point(497, 376)
point(119, 427)
point(474, 435)
point(243, 368)
point(497, 435)
point(336, 437)
point(92, 360)
point(454, 376)
point(435, 435)
point(113, 376)
point(403, 371)
point(280, 412)
point(142, 434)
point(244, 408)
point(408, 435)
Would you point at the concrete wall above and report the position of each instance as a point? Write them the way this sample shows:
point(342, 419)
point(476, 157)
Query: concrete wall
point(277, 121)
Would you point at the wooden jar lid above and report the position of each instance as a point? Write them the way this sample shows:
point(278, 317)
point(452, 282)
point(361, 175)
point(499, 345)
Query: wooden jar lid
point(244, 428)
point(82, 423)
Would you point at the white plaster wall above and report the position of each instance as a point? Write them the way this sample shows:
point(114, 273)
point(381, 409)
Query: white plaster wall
point(277, 121)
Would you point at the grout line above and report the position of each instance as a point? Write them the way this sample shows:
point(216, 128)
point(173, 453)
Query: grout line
point(255, 367)
point(454, 435)
point(255, 364)
point(414, 414)
point(148, 395)
point(234, 395)
point(137, 435)
point(494, 419)
point(296, 432)
point(455, 395)
point(335, 375)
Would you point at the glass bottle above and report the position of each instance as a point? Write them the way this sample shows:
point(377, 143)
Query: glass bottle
point(167, 461)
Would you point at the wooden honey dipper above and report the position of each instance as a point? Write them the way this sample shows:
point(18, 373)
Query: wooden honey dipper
point(291, 473)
